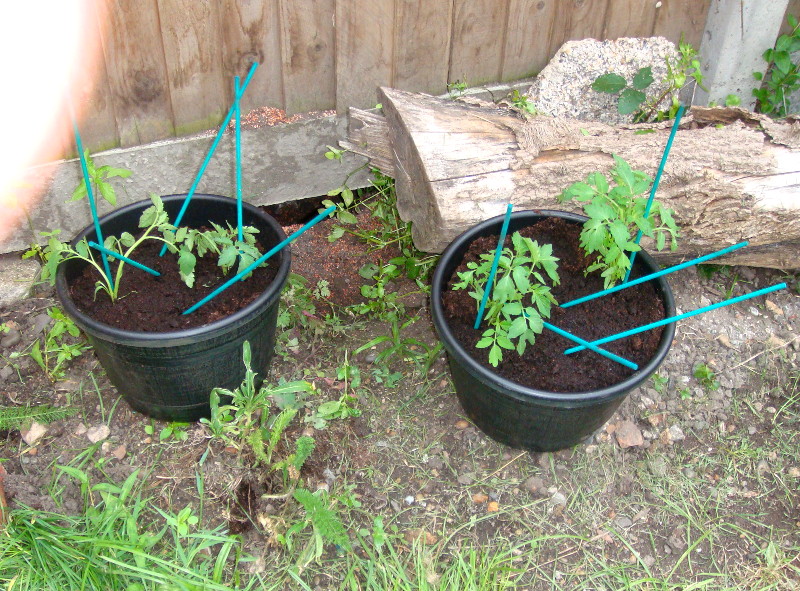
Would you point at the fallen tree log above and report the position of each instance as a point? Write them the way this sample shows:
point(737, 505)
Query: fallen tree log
point(731, 175)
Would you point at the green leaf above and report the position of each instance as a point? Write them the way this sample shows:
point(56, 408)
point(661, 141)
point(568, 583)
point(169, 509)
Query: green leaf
point(630, 100)
point(228, 257)
point(336, 233)
point(609, 83)
point(186, 264)
point(495, 355)
point(518, 327)
point(346, 217)
point(643, 78)
point(107, 192)
point(783, 61)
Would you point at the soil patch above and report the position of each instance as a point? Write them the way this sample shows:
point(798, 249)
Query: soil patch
point(154, 304)
point(543, 365)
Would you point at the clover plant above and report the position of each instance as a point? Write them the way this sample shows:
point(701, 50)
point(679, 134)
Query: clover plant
point(520, 299)
point(616, 213)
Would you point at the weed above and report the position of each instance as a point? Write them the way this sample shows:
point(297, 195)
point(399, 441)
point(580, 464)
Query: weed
point(382, 303)
point(325, 524)
point(706, 376)
point(400, 347)
point(522, 102)
point(19, 417)
point(519, 300)
point(176, 432)
point(61, 343)
point(660, 383)
point(781, 77)
point(456, 89)
point(246, 423)
point(681, 70)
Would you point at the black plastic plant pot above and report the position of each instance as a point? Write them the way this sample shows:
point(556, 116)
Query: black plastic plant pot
point(169, 375)
point(512, 413)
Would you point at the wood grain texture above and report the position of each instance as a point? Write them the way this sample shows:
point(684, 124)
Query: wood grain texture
point(91, 95)
point(307, 50)
point(629, 18)
point(364, 51)
point(190, 31)
point(682, 17)
point(422, 36)
point(793, 9)
point(733, 178)
point(134, 57)
point(527, 48)
point(479, 28)
point(577, 19)
point(251, 33)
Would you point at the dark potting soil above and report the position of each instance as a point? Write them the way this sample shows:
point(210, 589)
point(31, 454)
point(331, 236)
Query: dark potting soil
point(543, 366)
point(156, 304)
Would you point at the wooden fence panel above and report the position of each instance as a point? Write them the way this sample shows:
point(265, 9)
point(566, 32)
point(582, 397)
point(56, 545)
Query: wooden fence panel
point(630, 18)
point(168, 65)
point(92, 95)
point(191, 34)
point(527, 48)
point(364, 48)
point(577, 19)
point(251, 33)
point(137, 72)
point(307, 48)
point(682, 17)
point(479, 29)
point(423, 30)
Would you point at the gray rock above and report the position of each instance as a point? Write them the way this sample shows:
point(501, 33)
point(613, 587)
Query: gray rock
point(13, 337)
point(564, 87)
point(534, 485)
point(17, 277)
point(39, 323)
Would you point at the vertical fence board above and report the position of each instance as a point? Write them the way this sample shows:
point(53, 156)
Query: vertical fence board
point(91, 95)
point(422, 44)
point(251, 33)
point(137, 72)
point(528, 38)
point(364, 51)
point(191, 35)
point(577, 19)
point(682, 17)
point(307, 46)
point(793, 9)
point(629, 18)
point(479, 26)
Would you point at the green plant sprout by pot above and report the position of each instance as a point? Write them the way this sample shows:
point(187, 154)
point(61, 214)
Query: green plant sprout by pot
point(521, 298)
point(187, 243)
point(615, 214)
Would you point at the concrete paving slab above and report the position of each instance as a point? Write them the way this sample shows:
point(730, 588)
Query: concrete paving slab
point(279, 163)
point(17, 277)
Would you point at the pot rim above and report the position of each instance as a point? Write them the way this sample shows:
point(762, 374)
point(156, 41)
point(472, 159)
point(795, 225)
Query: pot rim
point(494, 380)
point(93, 326)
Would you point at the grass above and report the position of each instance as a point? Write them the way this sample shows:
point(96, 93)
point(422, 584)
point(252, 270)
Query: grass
point(715, 511)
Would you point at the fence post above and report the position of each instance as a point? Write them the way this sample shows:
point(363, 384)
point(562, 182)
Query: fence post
point(737, 33)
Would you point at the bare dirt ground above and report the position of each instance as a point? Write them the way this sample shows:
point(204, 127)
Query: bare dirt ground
point(696, 478)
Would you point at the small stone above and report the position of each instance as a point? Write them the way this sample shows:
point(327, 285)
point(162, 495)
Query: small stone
point(493, 507)
point(40, 322)
point(657, 466)
point(466, 479)
point(6, 372)
point(98, 433)
point(762, 466)
point(120, 451)
point(628, 435)
point(479, 498)
point(558, 500)
point(421, 535)
point(794, 472)
point(648, 560)
point(751, 430)
point(13, 337)
point(623, 522)
point(534, 484)
point(409, 500)
point(17, 276)
point(34, 433)
point(656, 419)
point(774, 342)
point(461, 424)
point(774, 308)
point(725, 341)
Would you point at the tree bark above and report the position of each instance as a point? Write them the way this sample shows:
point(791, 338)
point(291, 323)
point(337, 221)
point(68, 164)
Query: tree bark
point(731, 175)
